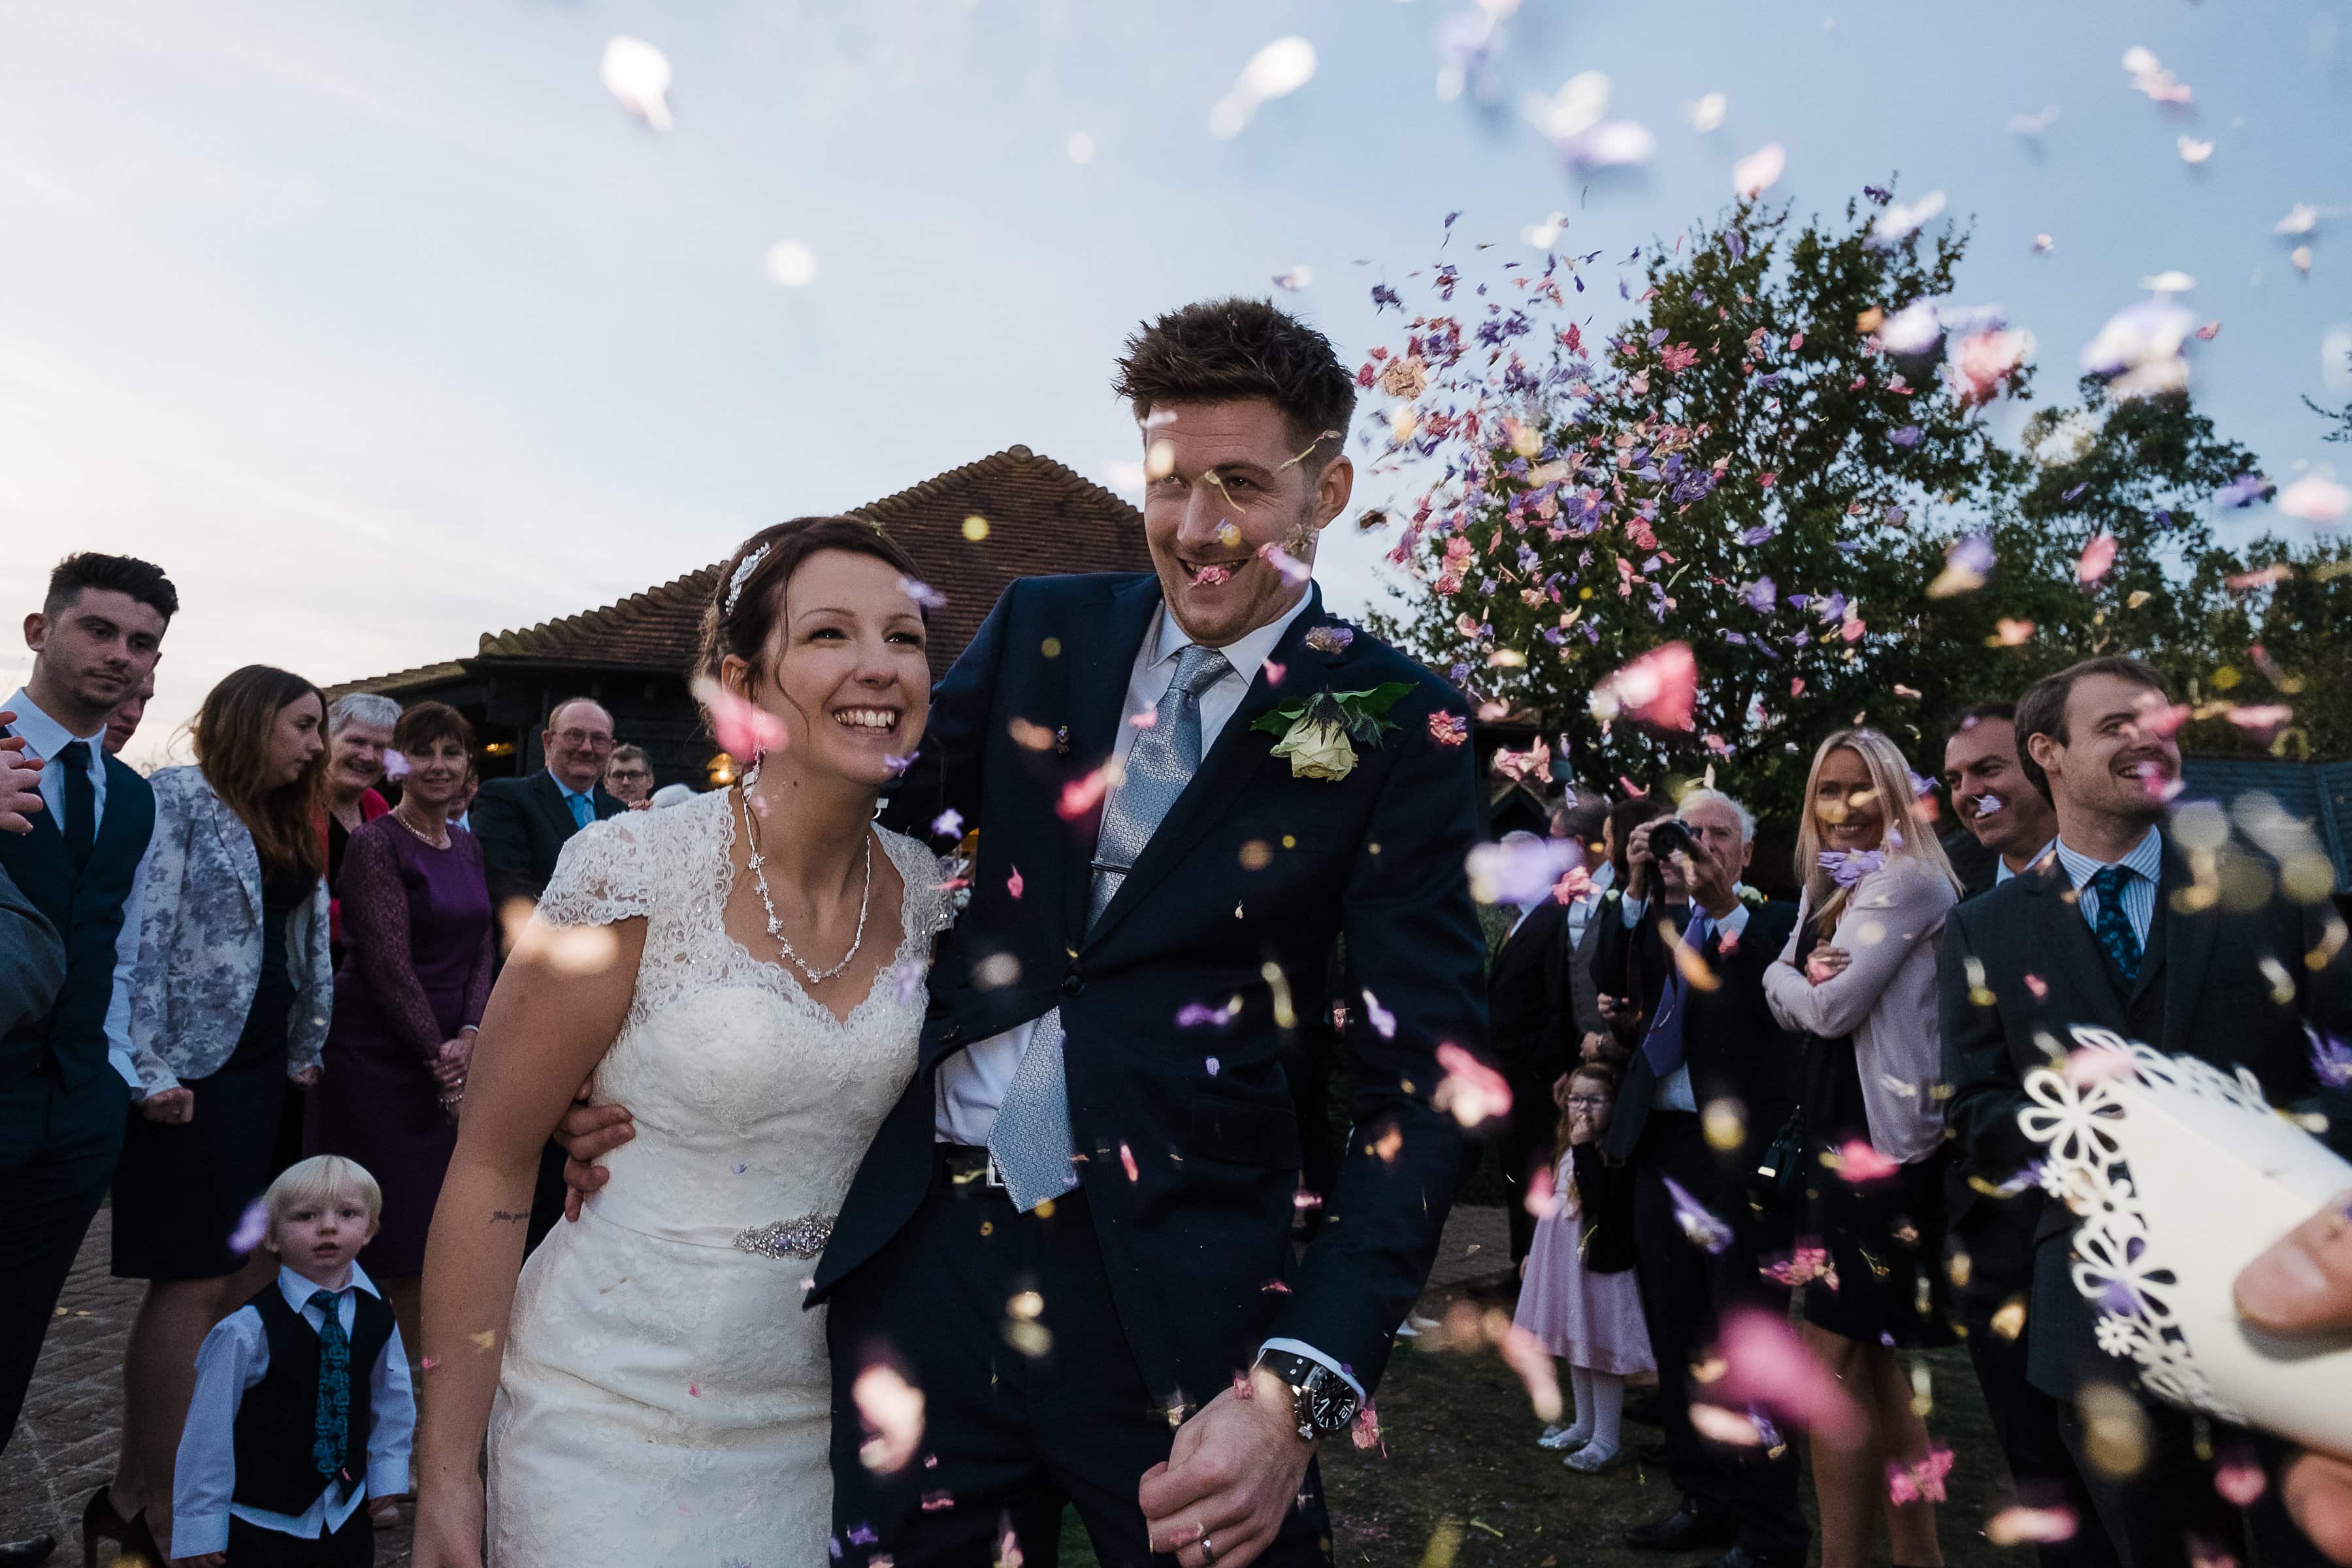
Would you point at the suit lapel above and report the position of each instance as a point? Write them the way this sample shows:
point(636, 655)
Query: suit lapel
point(1094, 703)
point(1237, 754)
point(2061, 940)
point(551, 807)
point(2188, 948)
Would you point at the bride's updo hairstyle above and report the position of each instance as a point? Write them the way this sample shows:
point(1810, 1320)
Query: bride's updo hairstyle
point(743, 615)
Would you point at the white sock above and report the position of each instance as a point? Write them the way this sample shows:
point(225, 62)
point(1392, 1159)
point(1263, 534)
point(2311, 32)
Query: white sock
point(1601, 1399)
point(1580, 1381)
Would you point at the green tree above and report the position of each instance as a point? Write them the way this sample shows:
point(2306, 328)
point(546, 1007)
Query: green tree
point(1781, 461)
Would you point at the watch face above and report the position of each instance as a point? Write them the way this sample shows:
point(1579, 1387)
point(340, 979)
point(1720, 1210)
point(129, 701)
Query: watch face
point(1330, 1405)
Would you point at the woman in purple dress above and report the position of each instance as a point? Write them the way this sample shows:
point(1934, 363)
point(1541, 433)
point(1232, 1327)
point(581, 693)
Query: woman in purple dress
point(417, 921)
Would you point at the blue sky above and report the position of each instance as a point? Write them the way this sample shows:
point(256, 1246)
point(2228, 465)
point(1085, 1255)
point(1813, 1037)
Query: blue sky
point(382, 326)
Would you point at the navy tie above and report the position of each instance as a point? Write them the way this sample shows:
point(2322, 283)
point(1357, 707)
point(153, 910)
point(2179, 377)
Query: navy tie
point(81, 803)
point(330, 1428)
point(1661, 1047)
point(2113, 924)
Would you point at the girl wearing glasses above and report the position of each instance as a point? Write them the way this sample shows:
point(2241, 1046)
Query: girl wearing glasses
point(1579, 1298)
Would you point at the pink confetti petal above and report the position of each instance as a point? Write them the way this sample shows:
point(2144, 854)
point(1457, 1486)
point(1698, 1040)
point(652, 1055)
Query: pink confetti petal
point(1013, 883)
point(744, 730)
point(1660, 687)
point(1473, 1091)
point(892, 1411)
point(1764, 1364)
point(2098, 556)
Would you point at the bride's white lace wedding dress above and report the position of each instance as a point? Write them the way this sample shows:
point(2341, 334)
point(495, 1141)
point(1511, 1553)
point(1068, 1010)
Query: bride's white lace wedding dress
point(663, 1399)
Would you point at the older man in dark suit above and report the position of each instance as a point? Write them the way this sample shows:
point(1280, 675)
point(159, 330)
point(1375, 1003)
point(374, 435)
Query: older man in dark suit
point(523, 824)
point(2113, 929)
point(1710, 1047)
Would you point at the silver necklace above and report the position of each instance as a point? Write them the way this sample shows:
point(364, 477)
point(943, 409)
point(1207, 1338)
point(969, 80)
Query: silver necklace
point(400, 817)
point(776, 926)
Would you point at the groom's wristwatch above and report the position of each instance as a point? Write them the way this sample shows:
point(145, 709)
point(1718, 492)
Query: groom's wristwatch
point(1320, 1400)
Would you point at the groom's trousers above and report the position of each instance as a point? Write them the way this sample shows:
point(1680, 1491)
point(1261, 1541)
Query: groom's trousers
point(1031, 1397)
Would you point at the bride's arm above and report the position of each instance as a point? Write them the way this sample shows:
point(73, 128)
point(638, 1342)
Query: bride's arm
point(557, 1005)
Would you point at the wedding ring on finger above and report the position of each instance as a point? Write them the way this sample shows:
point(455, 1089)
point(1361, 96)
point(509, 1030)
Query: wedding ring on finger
point(1208, 1552)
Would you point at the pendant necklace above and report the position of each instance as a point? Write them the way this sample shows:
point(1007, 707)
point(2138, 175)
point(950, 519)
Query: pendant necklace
point(776, 926)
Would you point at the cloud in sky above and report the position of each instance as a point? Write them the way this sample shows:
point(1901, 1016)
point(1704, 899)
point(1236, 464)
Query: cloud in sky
point(383, 328)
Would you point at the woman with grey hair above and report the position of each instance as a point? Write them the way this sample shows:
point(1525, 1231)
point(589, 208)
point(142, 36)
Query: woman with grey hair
point(359, 733)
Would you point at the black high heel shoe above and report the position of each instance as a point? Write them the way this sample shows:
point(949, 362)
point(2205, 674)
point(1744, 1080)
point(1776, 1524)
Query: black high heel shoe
point(101, 1521)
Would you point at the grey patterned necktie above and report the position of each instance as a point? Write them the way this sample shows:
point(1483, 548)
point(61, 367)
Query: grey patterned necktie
point(1031, 1141)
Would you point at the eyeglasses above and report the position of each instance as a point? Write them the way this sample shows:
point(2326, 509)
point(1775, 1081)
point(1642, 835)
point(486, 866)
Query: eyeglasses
point(629, 772)
point(579, 738)
point(1587, 1100)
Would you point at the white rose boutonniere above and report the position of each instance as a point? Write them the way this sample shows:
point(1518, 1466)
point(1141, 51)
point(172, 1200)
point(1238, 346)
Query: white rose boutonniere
point(1320, 734)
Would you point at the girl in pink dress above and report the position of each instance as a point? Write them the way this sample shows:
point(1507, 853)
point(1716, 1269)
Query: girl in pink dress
point(1578, 1297)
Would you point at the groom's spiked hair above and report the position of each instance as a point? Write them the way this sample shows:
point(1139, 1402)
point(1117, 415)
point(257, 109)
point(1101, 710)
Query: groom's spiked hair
point(1222, 351)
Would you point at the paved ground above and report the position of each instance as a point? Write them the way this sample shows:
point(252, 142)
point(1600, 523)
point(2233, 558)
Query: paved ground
point(64, 1447)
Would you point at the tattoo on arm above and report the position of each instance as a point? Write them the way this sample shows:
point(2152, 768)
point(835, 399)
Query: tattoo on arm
point(499, 1217)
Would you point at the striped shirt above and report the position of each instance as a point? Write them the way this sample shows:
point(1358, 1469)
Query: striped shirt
point(2147, 861)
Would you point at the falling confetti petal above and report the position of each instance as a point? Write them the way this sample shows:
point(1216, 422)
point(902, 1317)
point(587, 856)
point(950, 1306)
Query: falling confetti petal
point(2316, 501)
point(2098, 556)
point(2194, 152)
point(1698, 1223)
point(1764, 1364)
point(1707, 113)
point(791, 263)
point(1661, 687)
point(638, 75)
point(1280, 69)
point(1900, 221)
point(252, 1228)
point(1473, 1091)
point(1298, 278)
point(892, 1410)
point(744, 730)
point(1759, 171)
point(2021, 1526)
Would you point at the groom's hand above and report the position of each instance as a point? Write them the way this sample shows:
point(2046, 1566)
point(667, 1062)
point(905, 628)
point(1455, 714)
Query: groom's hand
point(588, 1132)
point(1232, 1476)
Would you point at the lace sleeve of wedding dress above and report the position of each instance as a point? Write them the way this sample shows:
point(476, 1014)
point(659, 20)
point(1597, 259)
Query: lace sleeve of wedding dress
point(604, 874)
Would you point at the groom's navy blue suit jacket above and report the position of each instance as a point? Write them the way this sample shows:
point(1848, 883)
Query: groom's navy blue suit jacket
point(1187, 1138)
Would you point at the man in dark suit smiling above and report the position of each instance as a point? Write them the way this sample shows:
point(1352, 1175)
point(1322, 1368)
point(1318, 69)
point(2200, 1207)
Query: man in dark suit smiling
point(2117, 928)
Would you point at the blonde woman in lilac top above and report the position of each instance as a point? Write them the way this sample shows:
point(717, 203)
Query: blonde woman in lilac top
point(1858, 977)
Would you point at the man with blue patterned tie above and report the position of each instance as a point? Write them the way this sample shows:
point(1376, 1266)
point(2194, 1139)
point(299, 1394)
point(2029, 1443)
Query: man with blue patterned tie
point(1686, 948)
point(2118, 929)
point(95, 641)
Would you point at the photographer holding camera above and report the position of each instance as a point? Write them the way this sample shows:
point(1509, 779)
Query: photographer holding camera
point(1713, 1077)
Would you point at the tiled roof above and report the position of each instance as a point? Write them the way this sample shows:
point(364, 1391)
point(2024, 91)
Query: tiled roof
point(1042, 518)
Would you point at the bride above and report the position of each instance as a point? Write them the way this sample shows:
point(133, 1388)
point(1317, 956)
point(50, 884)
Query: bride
point(745, 973)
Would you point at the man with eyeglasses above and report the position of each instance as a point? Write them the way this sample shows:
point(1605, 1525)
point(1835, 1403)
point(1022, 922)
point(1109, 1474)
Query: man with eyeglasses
point(523, 824)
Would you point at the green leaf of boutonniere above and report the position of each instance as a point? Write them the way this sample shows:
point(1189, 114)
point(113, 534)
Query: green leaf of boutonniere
point(1360, 715)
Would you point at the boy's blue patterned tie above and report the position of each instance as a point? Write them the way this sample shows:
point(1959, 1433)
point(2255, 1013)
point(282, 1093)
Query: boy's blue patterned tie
point(331, 1430)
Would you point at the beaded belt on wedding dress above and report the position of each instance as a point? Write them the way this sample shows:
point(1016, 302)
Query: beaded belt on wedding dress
point(802, 1239)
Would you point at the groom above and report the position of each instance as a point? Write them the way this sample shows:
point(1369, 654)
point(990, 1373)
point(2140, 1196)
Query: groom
point(1073, 1234)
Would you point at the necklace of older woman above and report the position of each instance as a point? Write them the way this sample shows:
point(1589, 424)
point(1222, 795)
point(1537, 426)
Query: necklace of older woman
point(776, 925)
point(400, 814)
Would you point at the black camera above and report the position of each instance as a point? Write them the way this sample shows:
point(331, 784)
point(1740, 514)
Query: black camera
point(1668, 836)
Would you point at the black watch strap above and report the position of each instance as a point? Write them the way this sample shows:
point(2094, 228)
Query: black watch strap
point(1320, 1399)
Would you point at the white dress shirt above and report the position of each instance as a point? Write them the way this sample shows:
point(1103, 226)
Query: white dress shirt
point(45, 738)
point(1674, 1090)
point(2147, 858)
point(972, 1083)
point(236, 1356)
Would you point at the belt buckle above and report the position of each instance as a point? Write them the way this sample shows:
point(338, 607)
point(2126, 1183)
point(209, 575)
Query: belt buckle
point(993, 1176)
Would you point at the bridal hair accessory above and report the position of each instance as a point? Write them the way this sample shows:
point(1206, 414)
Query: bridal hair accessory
point(2183, 1175)
point(735, 584)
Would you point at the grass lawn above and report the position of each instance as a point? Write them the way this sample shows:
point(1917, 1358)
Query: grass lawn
point(1458, 1460)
